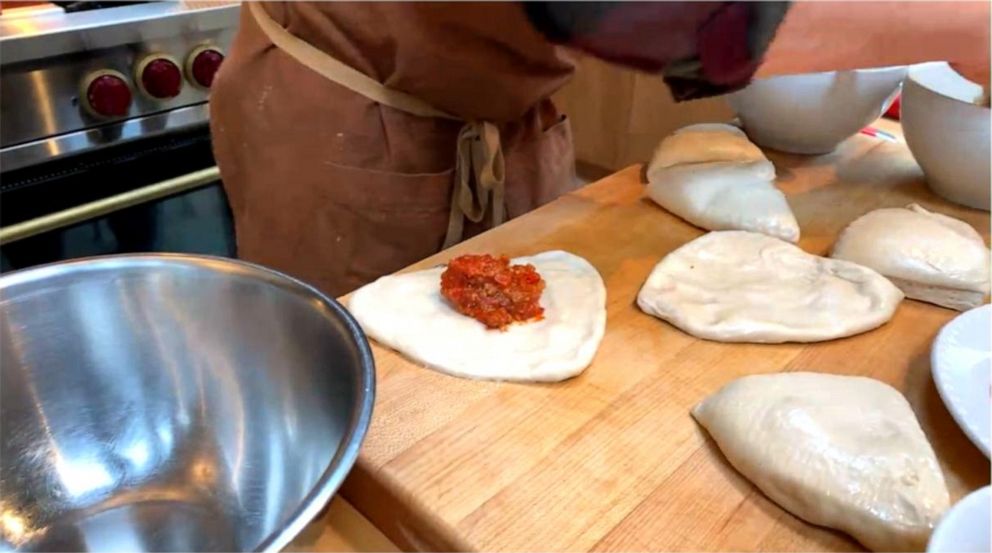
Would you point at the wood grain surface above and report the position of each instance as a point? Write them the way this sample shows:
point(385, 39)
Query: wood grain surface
point(341, 528)
point(611, 460)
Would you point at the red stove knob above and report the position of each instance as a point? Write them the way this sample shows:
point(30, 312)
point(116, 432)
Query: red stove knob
point(202, 64)
point(106, 93)
point(159, 77)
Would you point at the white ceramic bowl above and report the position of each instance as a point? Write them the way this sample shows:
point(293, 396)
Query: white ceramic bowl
point(965, 528)
point(813, 113)
point(947, 130)
point(961, 363)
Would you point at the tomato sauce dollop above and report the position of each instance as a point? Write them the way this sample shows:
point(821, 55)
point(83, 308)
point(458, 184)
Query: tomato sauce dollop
point(492, 291)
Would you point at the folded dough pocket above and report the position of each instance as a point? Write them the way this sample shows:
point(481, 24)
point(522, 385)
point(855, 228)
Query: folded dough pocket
point(839, 451)
point(929, 256)
point(716, 179)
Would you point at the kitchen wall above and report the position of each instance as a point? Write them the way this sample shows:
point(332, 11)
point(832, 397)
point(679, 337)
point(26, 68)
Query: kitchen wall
point(619, 116)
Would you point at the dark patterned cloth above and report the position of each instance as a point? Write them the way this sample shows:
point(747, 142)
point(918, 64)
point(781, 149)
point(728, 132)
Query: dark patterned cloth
point(700, 48)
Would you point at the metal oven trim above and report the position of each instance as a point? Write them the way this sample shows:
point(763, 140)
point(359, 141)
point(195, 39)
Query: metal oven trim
point(46, 150)
point(105, 206)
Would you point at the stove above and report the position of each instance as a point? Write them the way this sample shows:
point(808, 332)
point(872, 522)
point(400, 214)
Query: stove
point(101, 73)
point(104, 136)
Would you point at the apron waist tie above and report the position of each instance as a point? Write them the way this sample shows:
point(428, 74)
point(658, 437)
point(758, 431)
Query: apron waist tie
point(479, 164)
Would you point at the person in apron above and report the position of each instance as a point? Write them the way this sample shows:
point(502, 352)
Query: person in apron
point(356, 139)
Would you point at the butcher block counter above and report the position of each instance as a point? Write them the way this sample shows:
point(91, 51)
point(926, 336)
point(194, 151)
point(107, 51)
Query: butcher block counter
point(612, 460)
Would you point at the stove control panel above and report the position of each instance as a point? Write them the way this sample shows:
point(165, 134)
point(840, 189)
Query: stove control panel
point(107, 94)
point(75, 82)
point(59, 95)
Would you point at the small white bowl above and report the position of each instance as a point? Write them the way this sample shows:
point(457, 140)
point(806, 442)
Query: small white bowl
point(964, 528)
point(947, 130)
point(813, 113)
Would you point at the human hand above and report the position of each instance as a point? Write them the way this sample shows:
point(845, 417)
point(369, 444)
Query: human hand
point(827, 36)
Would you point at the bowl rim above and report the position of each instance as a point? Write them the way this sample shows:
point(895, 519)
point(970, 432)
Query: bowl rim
point(912, 80)
point(939, 538)
point(347, 454)
point(886, 68)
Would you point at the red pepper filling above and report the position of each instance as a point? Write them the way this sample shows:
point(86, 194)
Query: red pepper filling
point(492, 291)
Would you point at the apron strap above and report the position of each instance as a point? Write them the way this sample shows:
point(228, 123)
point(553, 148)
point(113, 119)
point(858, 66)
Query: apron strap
point(479, 163)
point(480, 157)
point(342, 74)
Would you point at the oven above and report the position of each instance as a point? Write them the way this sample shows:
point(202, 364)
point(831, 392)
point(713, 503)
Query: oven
point(104, 136)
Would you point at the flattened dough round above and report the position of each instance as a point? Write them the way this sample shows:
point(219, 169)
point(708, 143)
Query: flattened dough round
point(737, 286)
point(407, 312)
point(932, 257)
point(839, 451)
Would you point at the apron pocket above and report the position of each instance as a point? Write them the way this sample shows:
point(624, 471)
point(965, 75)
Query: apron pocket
point(376, 222)
point(540, 169)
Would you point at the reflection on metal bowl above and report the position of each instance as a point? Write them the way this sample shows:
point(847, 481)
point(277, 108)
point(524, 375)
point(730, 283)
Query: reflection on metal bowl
point(166, 402)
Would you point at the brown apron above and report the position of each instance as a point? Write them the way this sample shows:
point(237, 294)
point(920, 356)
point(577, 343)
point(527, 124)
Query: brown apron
point(337, 178)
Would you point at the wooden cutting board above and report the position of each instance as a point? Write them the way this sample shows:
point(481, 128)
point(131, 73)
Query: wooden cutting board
point(612, 460)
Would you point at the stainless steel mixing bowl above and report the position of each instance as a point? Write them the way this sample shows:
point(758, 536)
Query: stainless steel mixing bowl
point(166, 402)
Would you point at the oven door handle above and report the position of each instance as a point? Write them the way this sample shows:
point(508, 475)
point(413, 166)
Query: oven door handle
point(110, 204)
